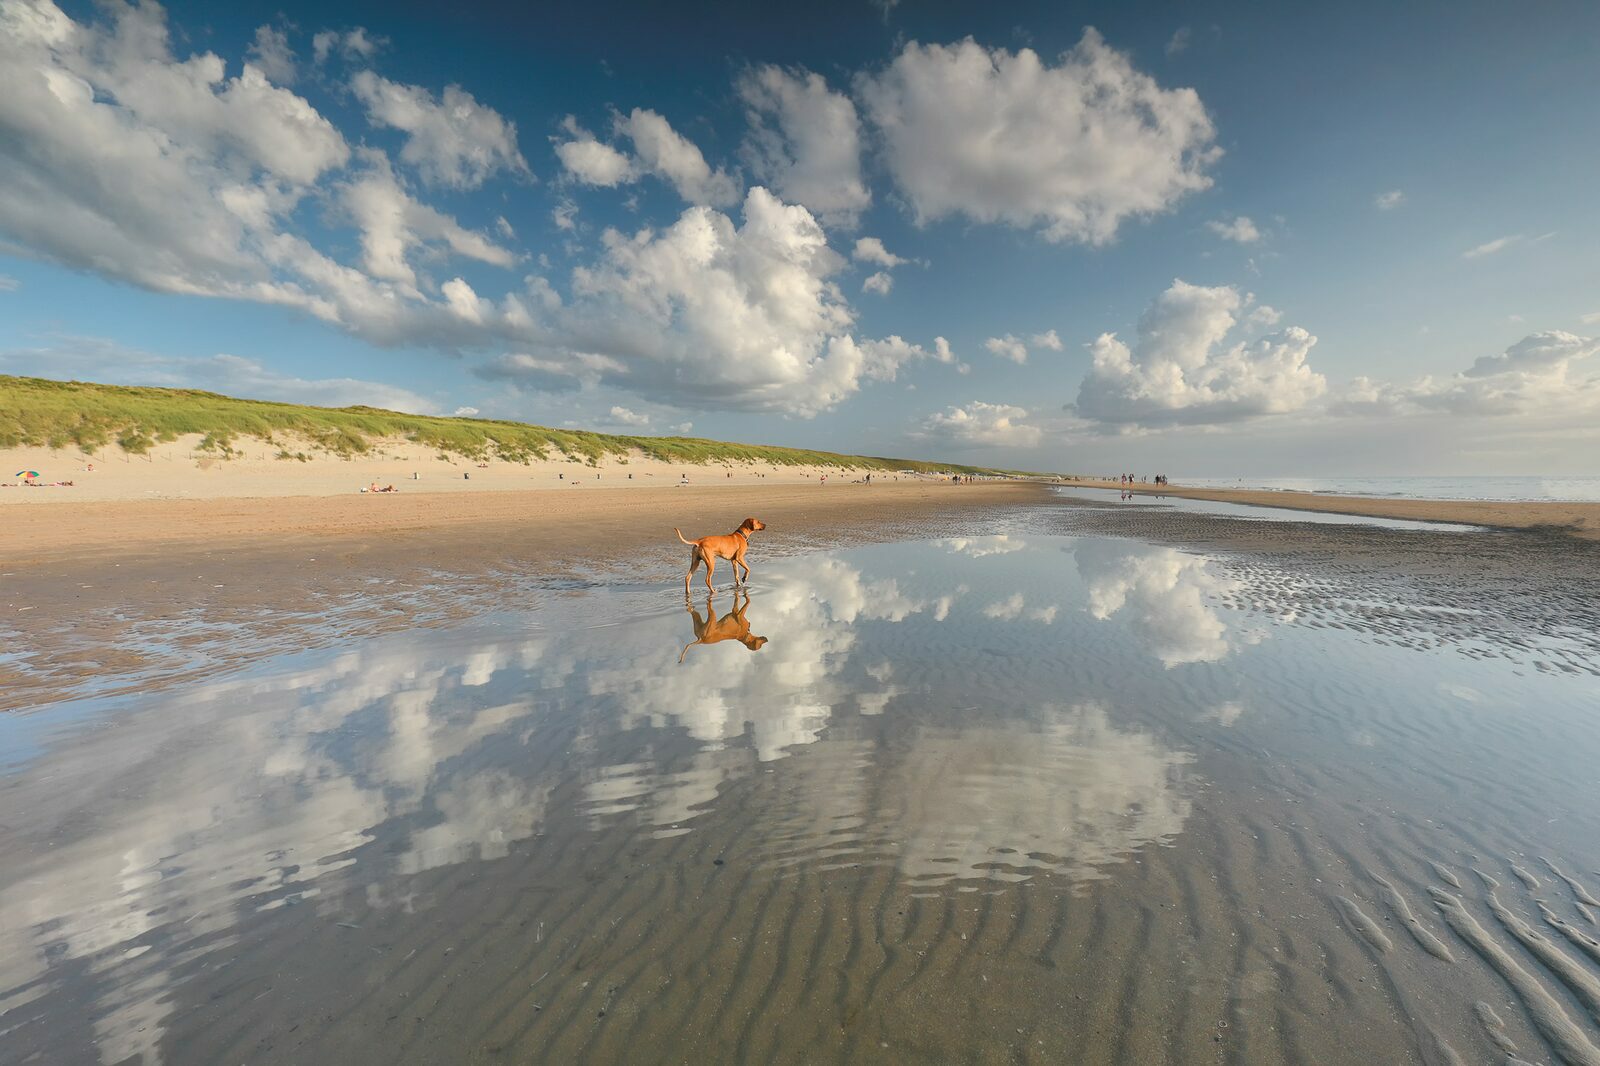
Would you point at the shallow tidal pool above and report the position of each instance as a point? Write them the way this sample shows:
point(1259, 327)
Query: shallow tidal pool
point(1007, 798)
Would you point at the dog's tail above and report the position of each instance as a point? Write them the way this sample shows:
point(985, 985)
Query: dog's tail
point(681, 537)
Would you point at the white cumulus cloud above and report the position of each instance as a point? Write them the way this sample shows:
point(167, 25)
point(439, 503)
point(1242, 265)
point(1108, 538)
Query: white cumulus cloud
point(1541, 375)
point(354, 44)
point(871, 250)
point(591, 161)
point(271, 52)
point(658, 149)
point(880, 283)
point(1048, 339)
point(1263, 316)
point(981, 424)
point(1007, 347)
point(1239, 229)
point(129, 156)
point(125, 160)
point(553, 373)
point(393, 223)
point(624, 417)
point(805, 142)
point(710, 313)
point(1179, 371)
point(665, 152)
point(452, 140)
point(142, 166)
point(1075, 147)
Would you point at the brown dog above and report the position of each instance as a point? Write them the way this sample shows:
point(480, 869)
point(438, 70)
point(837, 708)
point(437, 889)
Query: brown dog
point(731, 626)
point(709, 549)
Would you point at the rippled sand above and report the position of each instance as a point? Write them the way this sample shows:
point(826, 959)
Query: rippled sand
point(1016, 796)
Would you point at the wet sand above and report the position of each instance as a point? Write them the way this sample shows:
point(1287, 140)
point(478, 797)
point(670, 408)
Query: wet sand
point(116, 593)
point(1580, 520)
point(1073, 783)
point(1487, 594)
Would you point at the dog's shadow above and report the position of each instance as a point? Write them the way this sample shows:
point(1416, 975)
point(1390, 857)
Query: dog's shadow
point(710, 628)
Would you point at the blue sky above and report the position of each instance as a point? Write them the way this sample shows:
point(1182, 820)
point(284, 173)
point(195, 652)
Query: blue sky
point(1206, 239)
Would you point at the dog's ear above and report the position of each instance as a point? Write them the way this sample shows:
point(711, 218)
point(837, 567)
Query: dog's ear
point(750, 523)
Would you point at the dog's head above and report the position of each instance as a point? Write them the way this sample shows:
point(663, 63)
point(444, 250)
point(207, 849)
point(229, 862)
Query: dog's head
point(753, 643)
point(750, 525)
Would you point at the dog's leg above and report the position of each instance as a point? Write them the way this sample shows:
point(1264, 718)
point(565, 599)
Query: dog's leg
point(711, 565)
point(694, 564)
point(698, 623)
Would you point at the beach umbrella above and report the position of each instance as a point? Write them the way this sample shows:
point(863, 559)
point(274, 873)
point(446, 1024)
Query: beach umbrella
point(26, 473)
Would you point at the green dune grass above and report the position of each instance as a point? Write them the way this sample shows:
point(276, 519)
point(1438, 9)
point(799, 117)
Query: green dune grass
point(73, 414)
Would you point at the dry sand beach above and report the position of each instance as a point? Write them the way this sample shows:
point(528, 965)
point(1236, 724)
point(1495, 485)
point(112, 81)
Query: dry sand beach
point(255, 492)
point(1014, 777)
point(180, 470)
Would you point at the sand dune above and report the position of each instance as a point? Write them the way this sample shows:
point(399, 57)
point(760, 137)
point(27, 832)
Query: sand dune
point(180, 470)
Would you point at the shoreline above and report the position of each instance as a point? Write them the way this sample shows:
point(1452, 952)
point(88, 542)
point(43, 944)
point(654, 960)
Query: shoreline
point(116, 593)
point(64, 528)
point(1580, 520)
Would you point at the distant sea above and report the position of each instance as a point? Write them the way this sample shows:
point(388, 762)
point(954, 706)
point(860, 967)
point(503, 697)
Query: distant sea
point(1569, 489)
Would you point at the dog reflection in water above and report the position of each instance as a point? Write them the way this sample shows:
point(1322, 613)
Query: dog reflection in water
point(711, 629)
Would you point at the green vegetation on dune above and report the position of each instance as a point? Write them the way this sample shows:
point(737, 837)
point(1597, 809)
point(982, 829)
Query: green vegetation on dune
point(60, 414)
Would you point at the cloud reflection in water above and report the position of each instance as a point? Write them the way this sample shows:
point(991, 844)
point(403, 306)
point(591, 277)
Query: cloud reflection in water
point(247, 794)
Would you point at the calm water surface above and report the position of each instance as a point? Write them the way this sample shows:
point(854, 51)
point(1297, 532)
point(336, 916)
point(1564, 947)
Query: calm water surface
point(1253, 513)
point(1010, 798)
point(1561, 488)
